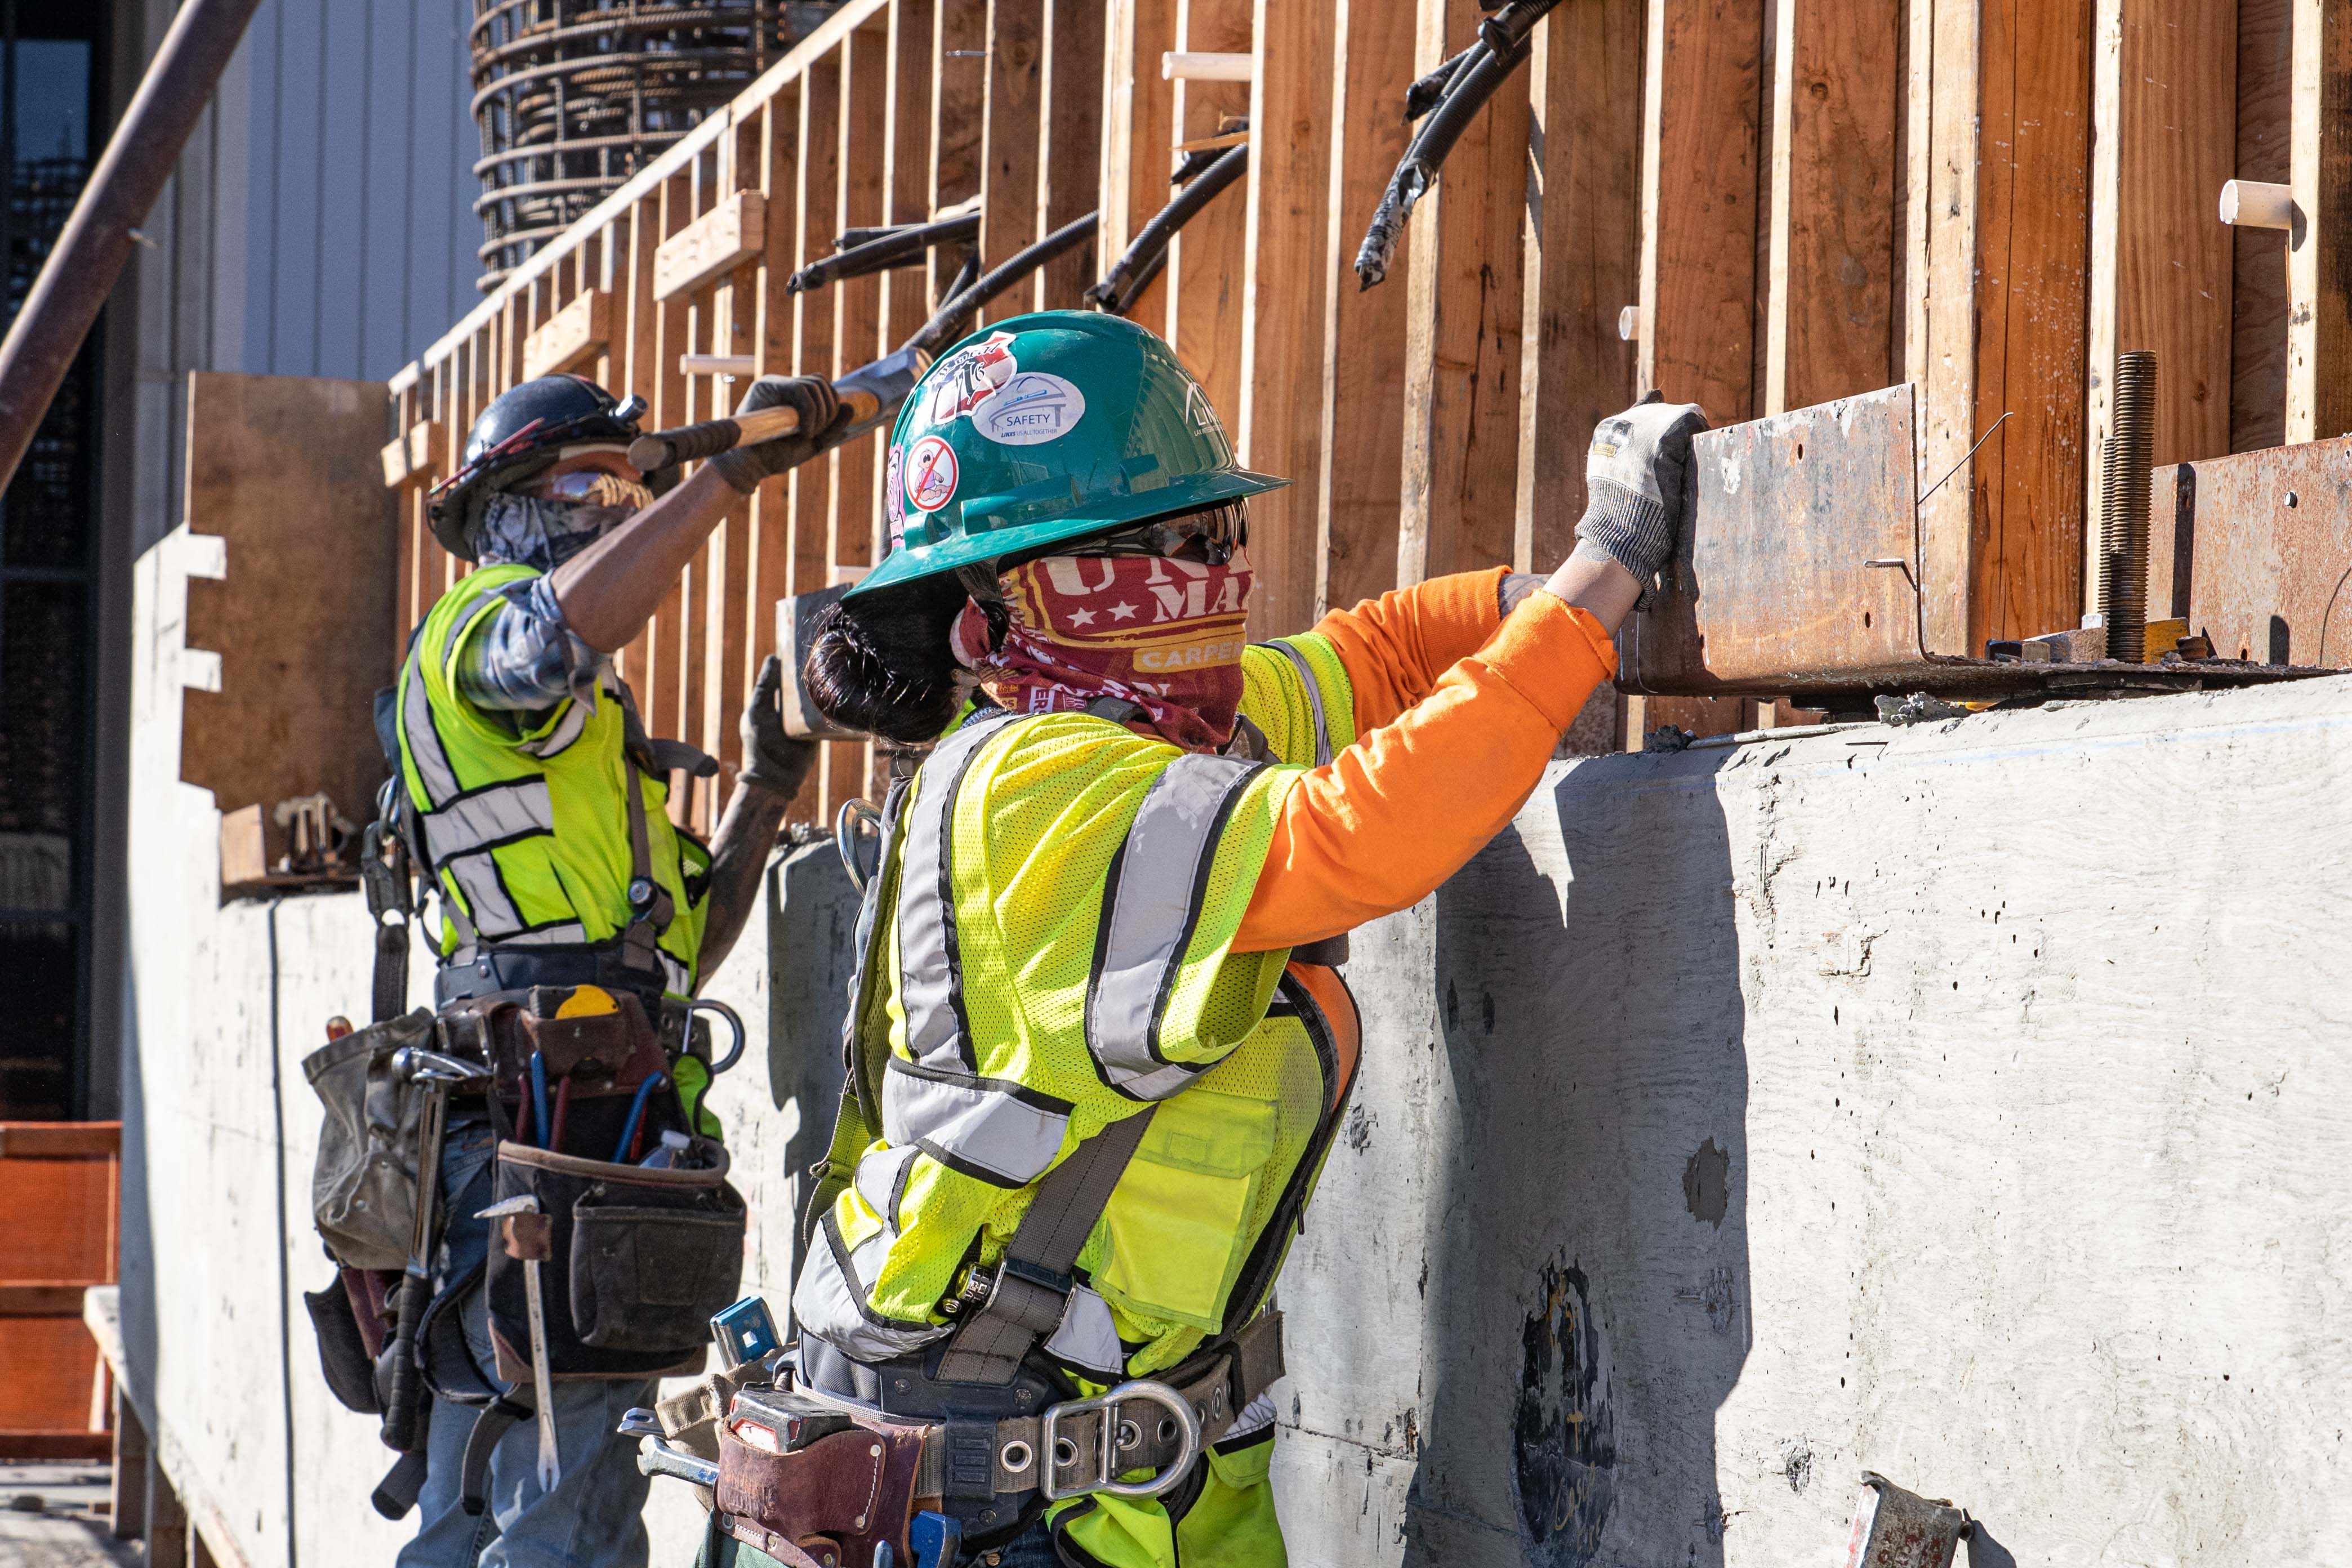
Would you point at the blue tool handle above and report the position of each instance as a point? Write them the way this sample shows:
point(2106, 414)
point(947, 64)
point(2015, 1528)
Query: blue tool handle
point(540, 1125)
point(935, 1538)
point(637, 1114)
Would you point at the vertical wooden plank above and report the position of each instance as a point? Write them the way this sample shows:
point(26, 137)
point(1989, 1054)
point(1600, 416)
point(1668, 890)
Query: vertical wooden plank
point(1582, 259)
point(906, 156)
point(1069, 144)
point(1138, 105)
point(666, 633)
point(1008, 213)
point(767, 569)
point(1829, 317)
point(865, 96)
point(1464, 323)
point(1363, 329)
point(2319, 265)
point(2164, 94)
point(1286, 249)
point(2258, 256)
point(727, 603)
point(958, 106)
point(814, 314)
point(1205, 261)
point(1700, 130)
point(638, 372)
point(2001, 101)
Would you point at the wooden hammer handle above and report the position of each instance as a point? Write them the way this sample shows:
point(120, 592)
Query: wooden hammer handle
point(692, 443)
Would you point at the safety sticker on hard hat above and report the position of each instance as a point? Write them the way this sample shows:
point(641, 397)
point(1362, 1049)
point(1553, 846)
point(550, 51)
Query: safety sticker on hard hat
point(969, 377)
point(1032, 407)
point(930, 474)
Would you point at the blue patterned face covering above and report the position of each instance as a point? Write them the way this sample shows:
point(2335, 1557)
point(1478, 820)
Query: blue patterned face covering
point(531, 531)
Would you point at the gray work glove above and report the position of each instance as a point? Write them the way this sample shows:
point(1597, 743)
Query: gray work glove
point(1637, 477)
point(771, 759)
point(744, 466)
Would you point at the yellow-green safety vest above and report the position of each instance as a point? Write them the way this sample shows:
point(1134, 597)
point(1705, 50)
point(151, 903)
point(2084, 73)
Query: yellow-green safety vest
point(527, 830)
point(1046, 950)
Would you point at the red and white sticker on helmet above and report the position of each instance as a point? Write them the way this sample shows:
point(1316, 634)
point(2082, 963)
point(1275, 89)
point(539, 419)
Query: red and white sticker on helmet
point(930, 474)
point(894, 504)
point(969, 377)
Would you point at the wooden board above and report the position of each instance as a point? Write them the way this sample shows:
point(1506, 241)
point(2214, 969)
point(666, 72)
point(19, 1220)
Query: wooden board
point(1829, 309)
point(1699, 173)
point(284, 470)
point(733, 232)
point(2258, 256)
point(1463, 327)
point(414, 457)
point(2165, 96)
point(1286, 253)
point(1205, 261)
point(959, 100)
point(1363, 360)
point(1011, 117)
point(569, 338)
point(2319, 267)
point(1139, 105)
point(1583, 260)
point(1069, 143)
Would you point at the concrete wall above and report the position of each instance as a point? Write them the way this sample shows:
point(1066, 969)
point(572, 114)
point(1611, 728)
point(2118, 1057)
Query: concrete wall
point(1959, 1103)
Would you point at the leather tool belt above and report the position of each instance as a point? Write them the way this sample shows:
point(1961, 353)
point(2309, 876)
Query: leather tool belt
point(817, 1481)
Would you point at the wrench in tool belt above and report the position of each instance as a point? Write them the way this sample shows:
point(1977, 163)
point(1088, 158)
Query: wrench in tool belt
point(528, 1235)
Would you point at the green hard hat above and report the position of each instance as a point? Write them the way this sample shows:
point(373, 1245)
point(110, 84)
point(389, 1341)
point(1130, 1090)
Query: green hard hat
point(1045, 427)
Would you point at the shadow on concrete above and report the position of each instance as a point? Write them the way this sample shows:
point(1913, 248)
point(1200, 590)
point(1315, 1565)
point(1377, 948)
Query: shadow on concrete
point(1588, 1297)
point(812, 937)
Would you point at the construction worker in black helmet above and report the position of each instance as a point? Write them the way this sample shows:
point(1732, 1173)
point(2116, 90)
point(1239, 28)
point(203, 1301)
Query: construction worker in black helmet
point(539, 805)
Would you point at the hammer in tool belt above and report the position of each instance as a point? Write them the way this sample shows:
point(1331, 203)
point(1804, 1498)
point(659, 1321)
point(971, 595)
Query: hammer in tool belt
point(438, 1075)
point(528, 1235)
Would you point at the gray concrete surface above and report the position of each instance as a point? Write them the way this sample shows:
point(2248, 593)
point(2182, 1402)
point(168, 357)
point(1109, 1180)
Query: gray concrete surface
point(54, 1516)
point(1960, 1103)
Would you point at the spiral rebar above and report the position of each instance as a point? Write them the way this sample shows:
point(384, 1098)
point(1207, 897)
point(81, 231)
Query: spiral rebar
point(572, 97)
point(2123, 508)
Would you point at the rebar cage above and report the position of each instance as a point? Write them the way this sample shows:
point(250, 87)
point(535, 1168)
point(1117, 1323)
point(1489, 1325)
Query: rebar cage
point(572, 97)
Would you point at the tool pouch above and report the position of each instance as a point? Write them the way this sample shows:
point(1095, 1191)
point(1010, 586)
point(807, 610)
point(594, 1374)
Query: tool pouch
point(639, 1260)
point(363, 1188)
point(831, 1503)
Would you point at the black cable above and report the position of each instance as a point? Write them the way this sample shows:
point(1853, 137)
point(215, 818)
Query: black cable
point(949, 324)
point(1468, 81)
point(904, 247)
point(1112, 293)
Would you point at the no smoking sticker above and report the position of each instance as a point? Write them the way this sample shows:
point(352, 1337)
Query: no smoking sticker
point(930, 474)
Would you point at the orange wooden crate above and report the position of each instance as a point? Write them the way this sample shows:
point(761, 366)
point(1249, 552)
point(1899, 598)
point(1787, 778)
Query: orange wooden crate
point(60, 1203)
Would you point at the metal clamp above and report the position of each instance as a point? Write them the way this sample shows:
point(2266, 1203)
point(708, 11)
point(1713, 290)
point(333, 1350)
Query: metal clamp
point(1185, 1420)
point(734, 1022)
point(656, 1457)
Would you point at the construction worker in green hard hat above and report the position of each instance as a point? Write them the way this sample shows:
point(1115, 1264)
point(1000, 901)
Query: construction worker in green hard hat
point(531, 794)
point(1099, 1048)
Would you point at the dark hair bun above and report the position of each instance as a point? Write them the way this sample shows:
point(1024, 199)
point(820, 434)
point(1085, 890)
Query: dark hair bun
point(881, 663)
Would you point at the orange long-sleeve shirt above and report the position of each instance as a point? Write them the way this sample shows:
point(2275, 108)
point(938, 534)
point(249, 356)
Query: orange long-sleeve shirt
point(1457, 711)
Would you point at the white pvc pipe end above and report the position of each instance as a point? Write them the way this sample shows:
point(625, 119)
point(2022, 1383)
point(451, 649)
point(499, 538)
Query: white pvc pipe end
point(1186, 65)
point(2253, 204)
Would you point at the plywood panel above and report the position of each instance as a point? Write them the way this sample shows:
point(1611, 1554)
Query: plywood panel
point(46, 1368)
point(302, 622)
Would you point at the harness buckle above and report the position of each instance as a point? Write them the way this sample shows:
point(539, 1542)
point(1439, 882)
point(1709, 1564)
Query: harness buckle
point(1181, 1419)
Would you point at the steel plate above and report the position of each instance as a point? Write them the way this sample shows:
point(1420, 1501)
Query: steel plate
point(2266, 538)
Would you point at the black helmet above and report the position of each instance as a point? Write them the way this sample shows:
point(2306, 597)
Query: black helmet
point(520, 434)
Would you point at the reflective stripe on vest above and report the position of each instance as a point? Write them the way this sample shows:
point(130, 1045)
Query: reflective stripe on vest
point(1314, 703)
point(1000, 1132)
point(930, 984)
point(835, 1289)
point(1150, 906)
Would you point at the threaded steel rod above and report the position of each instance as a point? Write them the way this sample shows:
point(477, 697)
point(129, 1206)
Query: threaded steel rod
point(2123, 505)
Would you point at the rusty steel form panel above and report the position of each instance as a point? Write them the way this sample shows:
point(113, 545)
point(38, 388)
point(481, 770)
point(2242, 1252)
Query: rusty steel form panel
point(1774, 594)
point(572, 97)
point(2267, 540)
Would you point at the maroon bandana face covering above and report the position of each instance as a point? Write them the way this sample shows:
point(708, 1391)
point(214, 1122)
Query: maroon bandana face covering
point(1164, 634)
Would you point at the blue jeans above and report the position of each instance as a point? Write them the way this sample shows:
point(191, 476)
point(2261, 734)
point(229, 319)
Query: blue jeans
point(592, 1518)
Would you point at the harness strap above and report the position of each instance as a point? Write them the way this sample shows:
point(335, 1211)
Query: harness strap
point(1025, 1297)
point(1219, 1383)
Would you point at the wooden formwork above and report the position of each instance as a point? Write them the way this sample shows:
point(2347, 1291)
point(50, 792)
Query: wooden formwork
point(1754, 204)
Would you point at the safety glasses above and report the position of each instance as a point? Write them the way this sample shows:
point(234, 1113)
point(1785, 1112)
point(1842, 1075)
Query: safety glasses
point(1209, 536)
